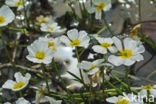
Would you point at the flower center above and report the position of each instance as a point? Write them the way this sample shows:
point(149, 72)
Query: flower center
point(51, 44)
point(19, 3)
point(122, 101)
point(148, 87)
point(106, 45)
point(100, 6)
point(134, 32)
point(92, 67)
point(75, 42)
point(42, 20)
point(40, 55)
point(95, 77)
point(125, 53)
point(18, 85)
point(2, 19)
point(51, 28)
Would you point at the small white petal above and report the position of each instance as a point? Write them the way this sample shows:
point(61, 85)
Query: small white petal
point(8, 84)
point(117, 43)
point(115, 60)
point(128, 62)
point(73, 34)
point(99, 49)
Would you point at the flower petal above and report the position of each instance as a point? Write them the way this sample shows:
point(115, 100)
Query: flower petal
point(117, 43)
point(73, 34)
point(116, 60)
point(99, 49)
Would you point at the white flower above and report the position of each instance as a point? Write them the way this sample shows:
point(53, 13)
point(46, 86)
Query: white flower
point(145, 89)
point(91, 67)
point(6, 15)
point(20, 83)
point(22, 101)
point(53, 43)
point(39, 52)
point(51, 27)
point(126, 99)
point(99, 6)
point(105, 44)
point(76, 38)
point(129, 54)
point(41, 19)
point(15, 3)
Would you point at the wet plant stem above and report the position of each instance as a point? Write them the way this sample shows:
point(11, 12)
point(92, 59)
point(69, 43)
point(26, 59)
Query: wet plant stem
point(100, 31)
point(140, 15)
point(108, 27)
point(45, 77)
point(117, 89)
point(62, 81)
point(25, 15)
point(126, 77)
point(5, 47)
point(77, 55)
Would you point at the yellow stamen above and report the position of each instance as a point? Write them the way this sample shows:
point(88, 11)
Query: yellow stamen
point(148, 87)
point(125, 53)
point(100, 6)
point(95, 78)
point(133, 32)
point(75, 42)
point(19, 3)
point(40, 55)
point(122, 101)
point(51, 28)
point(51, 44)
point(92, 67)
point(42, 20)
point(2, 19)
point(18, 85)
point(106, 45)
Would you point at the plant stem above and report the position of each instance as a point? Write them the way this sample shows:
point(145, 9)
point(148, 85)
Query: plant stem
point(5, 47)
point(44, 70)
point(108, 27)
point(100, 31)
point(126, 77)
point(25, 15)
point(62, 81)
point(140, 15)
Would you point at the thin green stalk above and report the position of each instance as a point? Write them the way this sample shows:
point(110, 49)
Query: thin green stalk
point(117, 89)
point(140, 15)
point(25, 15)
point(77, 55)
point(5, 47)
point(100, 31)
point(62, 81)
point(45, 77)
point(108, 27)
point(126, 77)
point(139, 11)
point(124, 84)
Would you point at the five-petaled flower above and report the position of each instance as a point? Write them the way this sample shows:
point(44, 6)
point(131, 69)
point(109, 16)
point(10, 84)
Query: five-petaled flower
point(76, 38)
point(39, 52)
point(127, 54)
point(99, 6)
point(20, 83)
point(105, 45)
